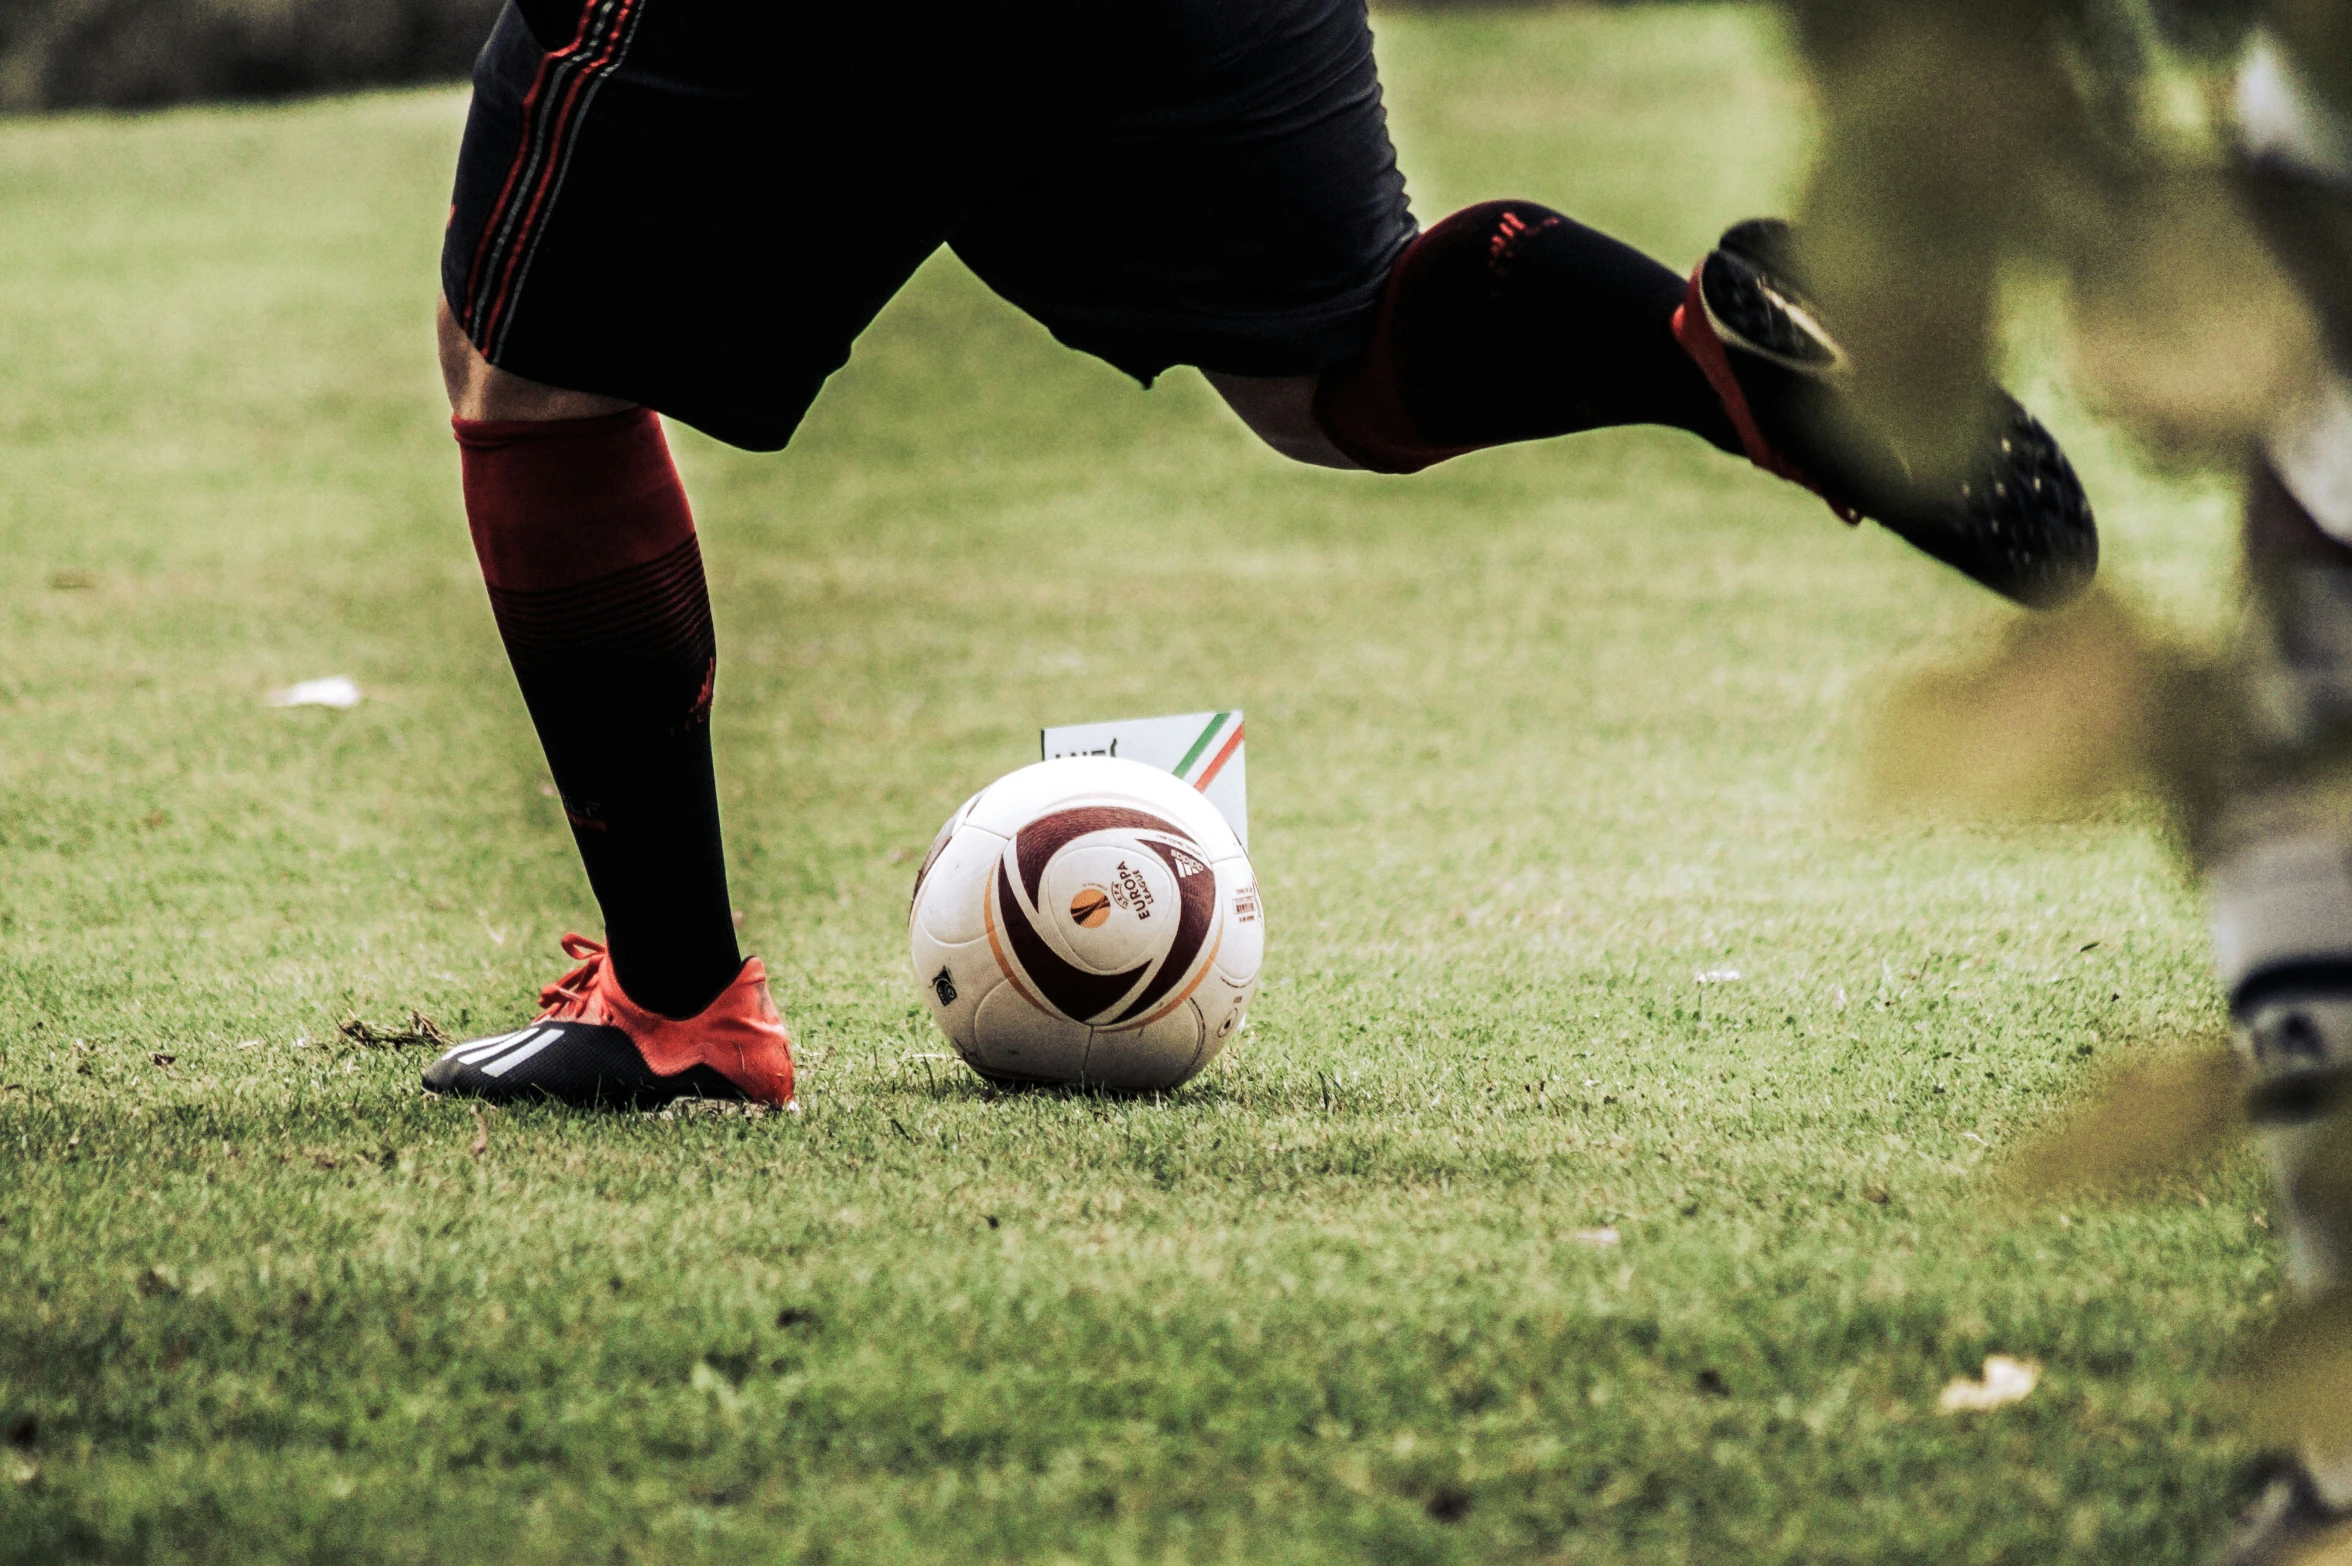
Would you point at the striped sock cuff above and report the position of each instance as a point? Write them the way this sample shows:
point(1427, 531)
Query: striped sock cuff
point(659, 610)
point(564, 502)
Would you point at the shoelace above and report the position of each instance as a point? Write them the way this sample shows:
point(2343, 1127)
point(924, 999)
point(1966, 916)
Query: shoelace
point(575, 985)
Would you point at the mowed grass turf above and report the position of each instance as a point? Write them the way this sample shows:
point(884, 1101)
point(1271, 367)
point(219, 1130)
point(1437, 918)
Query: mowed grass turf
point(1536, 740)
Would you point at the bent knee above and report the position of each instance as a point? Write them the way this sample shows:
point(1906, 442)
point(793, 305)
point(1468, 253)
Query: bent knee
point(479, 389)
point(1280, 410)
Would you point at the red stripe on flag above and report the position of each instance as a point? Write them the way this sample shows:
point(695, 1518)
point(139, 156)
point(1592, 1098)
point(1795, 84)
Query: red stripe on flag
point(1209, 773)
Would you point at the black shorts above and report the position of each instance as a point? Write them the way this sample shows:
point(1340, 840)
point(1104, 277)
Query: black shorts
point(698, 204)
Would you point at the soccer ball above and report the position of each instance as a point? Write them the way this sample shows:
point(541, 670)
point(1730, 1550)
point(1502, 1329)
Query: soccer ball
point(1089, 921)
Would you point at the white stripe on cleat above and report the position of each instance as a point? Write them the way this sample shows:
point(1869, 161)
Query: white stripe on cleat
point(482, 1049)
point(517, 1057)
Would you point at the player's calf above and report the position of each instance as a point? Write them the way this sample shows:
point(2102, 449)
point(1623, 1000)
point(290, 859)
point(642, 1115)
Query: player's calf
point(1509, 322)
point(595, 577)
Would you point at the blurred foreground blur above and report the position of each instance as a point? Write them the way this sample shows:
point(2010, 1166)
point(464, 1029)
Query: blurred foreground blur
point(2183, 173)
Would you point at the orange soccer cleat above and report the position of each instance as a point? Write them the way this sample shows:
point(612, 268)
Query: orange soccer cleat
point(593, 1045)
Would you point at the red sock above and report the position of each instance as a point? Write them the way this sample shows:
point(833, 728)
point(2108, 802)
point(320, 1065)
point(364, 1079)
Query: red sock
point(1360, 405)
point(587, 545)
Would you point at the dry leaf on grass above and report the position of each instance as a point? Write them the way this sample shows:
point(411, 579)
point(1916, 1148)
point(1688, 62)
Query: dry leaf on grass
point(421, 1029)
point(2005, 1381)
point(745, 1110)
point(481, 1134)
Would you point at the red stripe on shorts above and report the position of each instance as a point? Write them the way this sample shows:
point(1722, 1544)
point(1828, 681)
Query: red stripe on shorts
point(542, 150)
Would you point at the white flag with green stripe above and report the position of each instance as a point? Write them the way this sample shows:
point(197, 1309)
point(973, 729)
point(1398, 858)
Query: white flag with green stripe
point(1202, 748)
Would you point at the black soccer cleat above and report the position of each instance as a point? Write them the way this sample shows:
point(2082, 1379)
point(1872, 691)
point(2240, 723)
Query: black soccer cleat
point(2016, 519)
point(2289, 1522)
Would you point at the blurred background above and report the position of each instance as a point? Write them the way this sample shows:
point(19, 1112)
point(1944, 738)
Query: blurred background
point(132, 54)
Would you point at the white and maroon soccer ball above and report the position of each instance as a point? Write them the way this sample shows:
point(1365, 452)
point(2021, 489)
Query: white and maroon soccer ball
point(1088, 921)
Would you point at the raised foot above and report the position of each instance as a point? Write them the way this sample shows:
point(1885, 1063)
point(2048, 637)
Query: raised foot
point(2013, 516)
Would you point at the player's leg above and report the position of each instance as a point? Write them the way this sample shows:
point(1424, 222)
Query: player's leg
point(1220, 190)
point(1506, 322)
point(1280, 410)
point(587, 546)
point(616, 247)
point(2279, 882)
point(588, 551)
point(1509, 322)
point(596, 584)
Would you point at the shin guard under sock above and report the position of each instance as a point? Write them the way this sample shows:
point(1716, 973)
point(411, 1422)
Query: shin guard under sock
point(1510, 322)
point(595, 576)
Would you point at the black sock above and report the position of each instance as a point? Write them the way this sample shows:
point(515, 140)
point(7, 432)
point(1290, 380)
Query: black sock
point(1510, 322)
point(596, 579)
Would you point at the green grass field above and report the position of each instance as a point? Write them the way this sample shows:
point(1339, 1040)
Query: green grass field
point(1537, 738)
